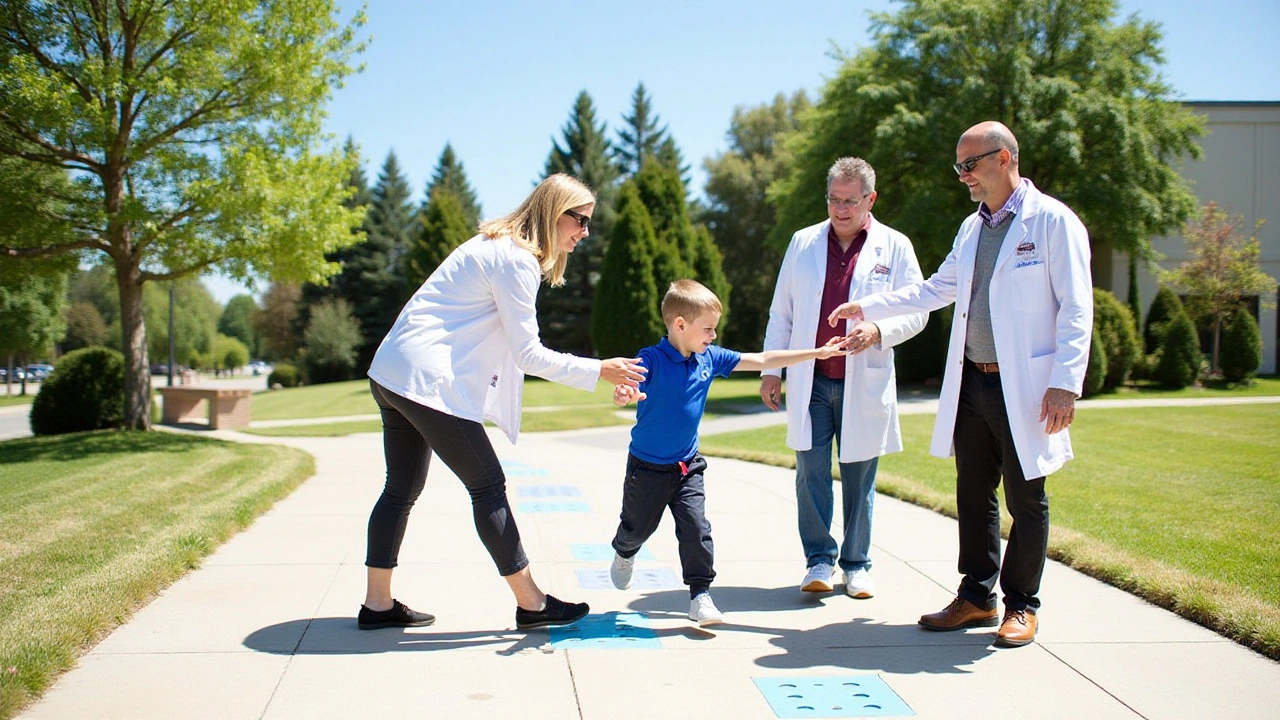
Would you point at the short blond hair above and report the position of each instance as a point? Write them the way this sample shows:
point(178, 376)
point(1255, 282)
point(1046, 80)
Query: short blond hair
point(688, 299)
point(533, 224)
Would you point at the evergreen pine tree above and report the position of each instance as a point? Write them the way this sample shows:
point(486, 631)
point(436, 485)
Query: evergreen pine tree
point(669, 154)
point(640, 137)
point(451, 176)
point(1113, 322)
point(1095, 374)
point(1180, 357)
point(565, 312)
point(626, 316)
point(1135, 300)
point(377, 290)
point(444, 227)
point(1164, 307)
point(340, 285)
point(708, 269)
point(1241, 347)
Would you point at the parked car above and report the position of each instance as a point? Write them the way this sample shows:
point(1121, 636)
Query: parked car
point(163, 369)
point(257, 367)
point(18, 374)
point(38, 371)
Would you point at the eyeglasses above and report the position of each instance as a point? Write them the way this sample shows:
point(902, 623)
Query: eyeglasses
point(583, 220)
point(840, 202)
point(967, 165)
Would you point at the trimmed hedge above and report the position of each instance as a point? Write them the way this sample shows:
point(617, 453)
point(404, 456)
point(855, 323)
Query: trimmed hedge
point(1241, 351)
point(84, 392)
point(284, 375)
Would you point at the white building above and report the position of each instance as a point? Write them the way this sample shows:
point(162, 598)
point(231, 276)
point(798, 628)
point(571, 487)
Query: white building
point(1240, 171)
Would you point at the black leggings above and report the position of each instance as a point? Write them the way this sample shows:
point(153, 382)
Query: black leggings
point(410, 432)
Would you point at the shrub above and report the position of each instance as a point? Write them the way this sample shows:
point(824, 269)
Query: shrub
point(84, 392)
point(332, 338)
point(1096, 374)
point(1113, 323)
point(284, 375)
point(1241, 351)
point(1164, 307)
point(1180, 356)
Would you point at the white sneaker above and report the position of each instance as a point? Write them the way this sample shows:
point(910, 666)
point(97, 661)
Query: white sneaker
point(703, 611)
point(818, 579)
point(858, 583)
point(620, 571)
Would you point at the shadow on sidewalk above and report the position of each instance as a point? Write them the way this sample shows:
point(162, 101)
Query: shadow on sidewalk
point(340, 636)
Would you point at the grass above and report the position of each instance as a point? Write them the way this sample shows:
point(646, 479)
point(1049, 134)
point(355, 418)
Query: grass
point(1178, 505)
point(16, 399)
point(93, 525)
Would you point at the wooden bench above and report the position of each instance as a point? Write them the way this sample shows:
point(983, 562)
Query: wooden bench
point(227, 408)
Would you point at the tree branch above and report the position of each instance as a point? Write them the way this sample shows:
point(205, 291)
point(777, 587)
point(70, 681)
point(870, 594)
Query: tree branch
point(45, 61)
point(49, 250)
point(145, 276)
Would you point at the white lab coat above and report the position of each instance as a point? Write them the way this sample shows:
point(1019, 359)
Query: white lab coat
point(1041, 317)
point(463, 342)
point(869, 424)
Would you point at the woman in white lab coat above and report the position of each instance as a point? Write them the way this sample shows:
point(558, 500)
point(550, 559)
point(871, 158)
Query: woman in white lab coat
point(457, 356)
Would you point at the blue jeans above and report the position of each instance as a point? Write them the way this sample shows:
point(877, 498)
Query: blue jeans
point(814, 495)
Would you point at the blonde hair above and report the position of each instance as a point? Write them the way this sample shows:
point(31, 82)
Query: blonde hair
point(688, 299)
point(533, 224)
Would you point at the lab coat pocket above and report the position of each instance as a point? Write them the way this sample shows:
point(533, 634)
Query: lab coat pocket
point(1031, 288)
point(878, 391)
point(1038, 371)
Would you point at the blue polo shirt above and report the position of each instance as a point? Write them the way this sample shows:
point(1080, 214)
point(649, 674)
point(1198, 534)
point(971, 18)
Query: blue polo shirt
point(666, 430)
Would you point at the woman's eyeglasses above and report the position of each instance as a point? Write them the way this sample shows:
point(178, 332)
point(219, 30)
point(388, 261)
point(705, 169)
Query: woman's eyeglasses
point(583, 220)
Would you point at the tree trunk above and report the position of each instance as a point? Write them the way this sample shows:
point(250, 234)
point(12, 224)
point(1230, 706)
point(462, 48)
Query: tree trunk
point(133, 328)
point(1217, 342)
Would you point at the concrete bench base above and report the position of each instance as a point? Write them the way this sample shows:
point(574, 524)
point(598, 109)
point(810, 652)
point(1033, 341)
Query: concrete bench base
point(226, 408)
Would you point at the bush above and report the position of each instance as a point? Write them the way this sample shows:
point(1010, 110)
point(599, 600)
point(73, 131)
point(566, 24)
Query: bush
point(1095, 375)
point(1113, 323)
point(333, 339)
point(1241, 351)
point(284, 375)
point(1164, 307)
point(84, 392)
point(1180, 357)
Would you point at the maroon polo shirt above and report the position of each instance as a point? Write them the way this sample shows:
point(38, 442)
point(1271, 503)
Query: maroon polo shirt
point(835, 292)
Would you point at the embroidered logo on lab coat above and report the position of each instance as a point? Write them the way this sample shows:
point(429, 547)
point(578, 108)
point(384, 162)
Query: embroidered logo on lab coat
point(1027, 255)
point(880, 269)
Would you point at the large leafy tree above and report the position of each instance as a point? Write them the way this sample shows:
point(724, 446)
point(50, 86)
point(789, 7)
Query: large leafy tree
point(1222, 271)
point(584, 152)
point(1082, 92)
point(277, 322)
point(451, 176)
point(31, 316)
point(739, 214)
point(191, 132)
point(237, 321)
point(640, 137)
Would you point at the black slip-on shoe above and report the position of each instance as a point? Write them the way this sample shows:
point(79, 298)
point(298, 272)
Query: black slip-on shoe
point(557, 612)
point(400, 615)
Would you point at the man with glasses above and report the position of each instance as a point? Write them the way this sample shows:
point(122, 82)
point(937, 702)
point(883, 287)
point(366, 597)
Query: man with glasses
point(1019, 276)
point(851, 400)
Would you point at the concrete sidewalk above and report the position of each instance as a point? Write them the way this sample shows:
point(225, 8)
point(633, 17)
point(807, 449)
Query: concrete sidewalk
point(266, 629)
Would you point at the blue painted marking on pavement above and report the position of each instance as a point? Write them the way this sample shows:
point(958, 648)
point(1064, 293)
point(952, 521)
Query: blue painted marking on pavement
point(642, 579)
point(524, 471)
point(553, 507)
point(831, 697)
point(608, 631)
point(603, 553)
point(544, 491)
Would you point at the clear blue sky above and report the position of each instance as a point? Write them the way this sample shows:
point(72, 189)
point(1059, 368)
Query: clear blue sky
point(498, 80)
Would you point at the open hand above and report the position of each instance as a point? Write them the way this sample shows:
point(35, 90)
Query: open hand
point(847, 311)
point(622, 371)
point(835, 346)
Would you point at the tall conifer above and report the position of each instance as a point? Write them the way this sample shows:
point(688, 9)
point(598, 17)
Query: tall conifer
point(626, 316)
point(450, 175)
point(640, 137)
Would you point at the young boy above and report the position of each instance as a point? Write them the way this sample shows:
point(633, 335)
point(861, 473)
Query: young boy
point(664, 468)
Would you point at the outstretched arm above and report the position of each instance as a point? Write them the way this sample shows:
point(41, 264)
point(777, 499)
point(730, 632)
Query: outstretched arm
point(771, 359)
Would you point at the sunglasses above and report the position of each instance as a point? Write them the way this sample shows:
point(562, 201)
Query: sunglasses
point(967, 165)
point(583, 220)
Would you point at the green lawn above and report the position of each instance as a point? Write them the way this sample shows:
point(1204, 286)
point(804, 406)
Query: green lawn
point(16, 399)
point(1179, 505)
point(93, 525)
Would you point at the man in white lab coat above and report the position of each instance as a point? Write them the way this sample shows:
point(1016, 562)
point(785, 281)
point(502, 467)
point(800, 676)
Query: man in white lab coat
point(1019, 276)
point(853, 399)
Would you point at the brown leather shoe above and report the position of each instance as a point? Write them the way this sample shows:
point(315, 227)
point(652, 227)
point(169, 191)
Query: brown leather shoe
point(1017, 629)
point(959, 614)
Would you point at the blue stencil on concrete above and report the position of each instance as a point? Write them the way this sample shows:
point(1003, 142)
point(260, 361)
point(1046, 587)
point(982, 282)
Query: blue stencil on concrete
point(546, 491)
point(524, 471)
point(603, 553)
point(641, 579)
point(609, 631)
point(541, 506)
point(831, 697)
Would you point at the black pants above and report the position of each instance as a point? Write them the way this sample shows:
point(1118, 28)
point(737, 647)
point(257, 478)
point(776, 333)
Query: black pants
point(648, 490)
point(410, 433)
point(985, 452)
